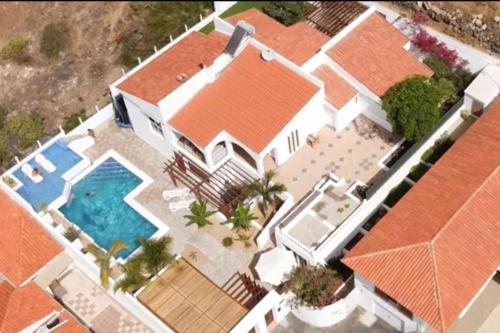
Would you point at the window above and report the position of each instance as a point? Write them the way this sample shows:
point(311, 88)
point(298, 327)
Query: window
point(156, 126)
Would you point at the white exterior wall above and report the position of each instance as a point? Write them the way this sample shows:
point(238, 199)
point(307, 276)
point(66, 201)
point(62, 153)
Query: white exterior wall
point(341, 118)
point(138, 112)
point(376, 305)
point(373, 111)
point(307, 121)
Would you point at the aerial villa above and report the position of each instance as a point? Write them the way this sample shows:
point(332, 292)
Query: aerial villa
point(195, 129)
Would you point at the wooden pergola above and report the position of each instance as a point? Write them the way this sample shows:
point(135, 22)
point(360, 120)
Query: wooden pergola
point(223, 188)
point(330, 17)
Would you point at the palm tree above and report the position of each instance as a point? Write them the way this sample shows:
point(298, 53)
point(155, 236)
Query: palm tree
point(267, 191)
point(241, 218)
point(155, 254)
point(103, 258)
point(199, 214)
point(133, 279)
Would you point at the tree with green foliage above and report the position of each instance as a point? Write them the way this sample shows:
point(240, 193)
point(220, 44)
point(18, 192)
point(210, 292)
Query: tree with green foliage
point(155, 254)
point(103, 259)
point(267, 191)
point(460, 76)
point(286, 12)
point(242, 218)
point(54, 39)
point(413, 106)
point(199, 214)
point(133, 279)
point(15, 48)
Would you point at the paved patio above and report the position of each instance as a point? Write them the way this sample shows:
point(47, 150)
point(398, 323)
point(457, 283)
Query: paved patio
point(347, 154)
point(96, 308)
point(202, 248)
point(351, 324)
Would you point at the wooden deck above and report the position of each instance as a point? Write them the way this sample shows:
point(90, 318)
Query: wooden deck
point(187, 301)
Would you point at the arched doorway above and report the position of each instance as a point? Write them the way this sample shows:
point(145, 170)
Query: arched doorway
point(219, 152)
point(190, 147)
point(244, 155)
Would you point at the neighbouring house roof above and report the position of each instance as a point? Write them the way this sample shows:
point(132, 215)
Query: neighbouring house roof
point(373, 54)
point(252, 100)
point(439, 245)
point(24, 306)
point(159, 78)
point(297, 43)
point(337, 90)
point(24, 246)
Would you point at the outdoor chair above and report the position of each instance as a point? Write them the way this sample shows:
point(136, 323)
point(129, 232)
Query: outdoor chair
point(176, 193)
point(45, 163)
point(178, 205)
point(28, 170)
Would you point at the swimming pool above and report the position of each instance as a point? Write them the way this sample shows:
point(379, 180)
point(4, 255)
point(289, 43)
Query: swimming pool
point(97, 206)
point(52, 185)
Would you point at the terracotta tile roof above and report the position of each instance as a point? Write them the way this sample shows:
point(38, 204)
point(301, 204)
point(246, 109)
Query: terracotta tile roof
point(159, 78)
point(337, 90)
point(434, 259)
point(373, 54)
point(26, 305)
point(24, 246)
point(297, 43)
point(251, 99)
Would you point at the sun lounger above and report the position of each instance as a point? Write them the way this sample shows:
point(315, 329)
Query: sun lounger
point(178, 205)
point(45, 163)
point(176, 193)
point(27, 169)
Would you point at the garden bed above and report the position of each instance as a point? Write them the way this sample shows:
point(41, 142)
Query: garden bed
point(418, 171)
point(397, 193)
point(374, 218)
point(433, 154)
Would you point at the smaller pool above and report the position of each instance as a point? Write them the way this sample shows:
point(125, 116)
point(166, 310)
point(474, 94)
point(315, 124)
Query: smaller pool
point(52, 185)
point(97, 206)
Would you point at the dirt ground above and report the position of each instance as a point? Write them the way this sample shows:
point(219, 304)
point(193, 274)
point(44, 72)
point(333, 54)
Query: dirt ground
point(59, 87)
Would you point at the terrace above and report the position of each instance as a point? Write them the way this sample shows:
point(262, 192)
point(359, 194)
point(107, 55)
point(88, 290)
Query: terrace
point(349, 154)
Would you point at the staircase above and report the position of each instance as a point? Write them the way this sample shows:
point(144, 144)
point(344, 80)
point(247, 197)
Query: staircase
point(244, 290)
point(110, 169)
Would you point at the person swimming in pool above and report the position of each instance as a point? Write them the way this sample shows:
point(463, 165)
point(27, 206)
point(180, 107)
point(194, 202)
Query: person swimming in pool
point(89, 194)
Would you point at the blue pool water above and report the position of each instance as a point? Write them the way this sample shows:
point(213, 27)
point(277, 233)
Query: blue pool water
point(52, 185)
point(97, 207)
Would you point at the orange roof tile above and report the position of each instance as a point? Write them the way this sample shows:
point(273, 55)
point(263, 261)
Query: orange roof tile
point(159, 78)
point(373, 54)
point(337, 90)
point(298, 42)
point(252, 100)
point(24, 246)
point(435, 247)
point(28, 304)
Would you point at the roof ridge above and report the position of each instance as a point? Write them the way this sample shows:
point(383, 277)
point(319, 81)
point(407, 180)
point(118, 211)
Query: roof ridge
point(376, 253)
point(436, 287)
point(19, 251)
point(465, 203)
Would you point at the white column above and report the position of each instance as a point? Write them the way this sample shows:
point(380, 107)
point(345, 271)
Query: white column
point(261, 326)
point(260, 166)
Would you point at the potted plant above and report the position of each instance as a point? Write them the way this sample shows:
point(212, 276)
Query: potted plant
point(9, 181)
point(43, 208)
point(72, 234)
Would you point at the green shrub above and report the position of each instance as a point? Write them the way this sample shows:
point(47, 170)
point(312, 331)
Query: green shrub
point(159, 21)
point(55, 39)
point(15, 48)
point(74, 120)
point(286, 12)
point(313, 286)
point(460, 76)
point(72, 233)
point(3, 115)
point(21, 131)
point(9, 181)
point(227, 241)
point(413, 106)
